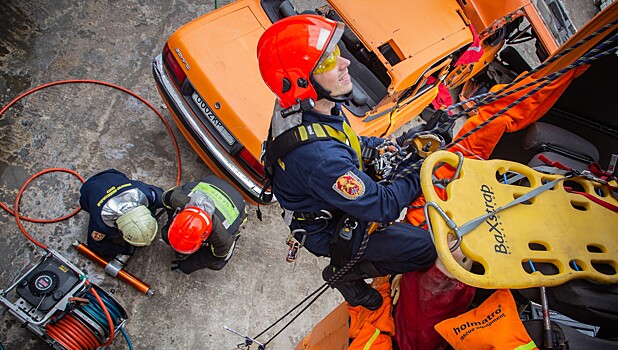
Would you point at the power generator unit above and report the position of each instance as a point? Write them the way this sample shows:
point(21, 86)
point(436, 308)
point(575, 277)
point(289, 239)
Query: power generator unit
point(56, 302)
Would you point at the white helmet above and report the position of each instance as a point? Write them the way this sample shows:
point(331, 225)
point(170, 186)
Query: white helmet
point(138, 227)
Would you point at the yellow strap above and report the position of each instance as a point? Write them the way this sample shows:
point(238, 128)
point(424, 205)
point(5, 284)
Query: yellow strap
point(348, 136)
point(373, 338)
point(531, 345)
point(354, 142)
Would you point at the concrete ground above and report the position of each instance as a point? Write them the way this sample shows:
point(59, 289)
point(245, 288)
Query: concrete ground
point(89, 128)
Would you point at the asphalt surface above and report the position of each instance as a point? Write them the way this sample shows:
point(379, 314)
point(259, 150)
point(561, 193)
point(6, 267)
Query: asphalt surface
point(89, 128)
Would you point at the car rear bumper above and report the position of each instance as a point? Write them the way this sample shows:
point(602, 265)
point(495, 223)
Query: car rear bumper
point(216, 154)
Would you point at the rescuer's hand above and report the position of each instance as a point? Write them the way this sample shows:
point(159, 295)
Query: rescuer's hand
point(395, 287)
point(409, 134)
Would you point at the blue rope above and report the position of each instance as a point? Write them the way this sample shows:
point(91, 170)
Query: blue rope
point(95, 310)
point(531, 265)
point(605, 48)
point(126, 337)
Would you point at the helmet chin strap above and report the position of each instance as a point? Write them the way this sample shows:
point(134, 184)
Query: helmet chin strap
point(323, 93)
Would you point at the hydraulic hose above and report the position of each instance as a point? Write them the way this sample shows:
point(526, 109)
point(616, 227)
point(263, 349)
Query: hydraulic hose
point(98, 82)
point(18, 198)
point(15, 211)
point(75, 335)
point(69, 331)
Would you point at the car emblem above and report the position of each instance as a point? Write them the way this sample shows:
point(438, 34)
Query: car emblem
point(182, 58)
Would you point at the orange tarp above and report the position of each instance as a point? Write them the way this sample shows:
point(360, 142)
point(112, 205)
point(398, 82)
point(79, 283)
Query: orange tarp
point(373, 329)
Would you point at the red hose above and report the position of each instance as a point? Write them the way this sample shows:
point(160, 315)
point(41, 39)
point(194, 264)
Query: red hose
point(61, 337)
point(90, 340)
point(15, 211)
point(69, 332)
point(21, 191)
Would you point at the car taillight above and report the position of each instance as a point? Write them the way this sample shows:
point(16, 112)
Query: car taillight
point(250, 160)
point(177, 72)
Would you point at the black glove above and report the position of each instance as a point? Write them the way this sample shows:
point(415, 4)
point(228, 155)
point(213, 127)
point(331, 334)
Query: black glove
point(175, 266)
point(401, 140)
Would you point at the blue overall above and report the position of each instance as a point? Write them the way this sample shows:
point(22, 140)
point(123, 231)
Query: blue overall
point(102, 239)
point(325, 175)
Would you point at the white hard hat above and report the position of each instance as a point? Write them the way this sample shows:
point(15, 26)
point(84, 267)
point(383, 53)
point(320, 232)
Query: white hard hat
point(138, 226)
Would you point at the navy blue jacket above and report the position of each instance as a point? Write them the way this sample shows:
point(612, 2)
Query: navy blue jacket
point(93, 196)
point(316, 175)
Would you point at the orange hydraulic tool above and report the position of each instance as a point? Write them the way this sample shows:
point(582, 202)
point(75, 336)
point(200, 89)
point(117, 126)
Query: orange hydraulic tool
point(113, 269)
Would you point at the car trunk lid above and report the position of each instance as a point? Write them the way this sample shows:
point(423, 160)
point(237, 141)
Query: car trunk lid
point(220, 56)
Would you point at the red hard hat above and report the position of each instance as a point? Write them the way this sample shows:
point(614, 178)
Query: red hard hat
point(190, 228)
point(290, 49)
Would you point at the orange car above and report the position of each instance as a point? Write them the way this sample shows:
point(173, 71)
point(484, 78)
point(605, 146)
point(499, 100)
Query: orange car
point(208, 74)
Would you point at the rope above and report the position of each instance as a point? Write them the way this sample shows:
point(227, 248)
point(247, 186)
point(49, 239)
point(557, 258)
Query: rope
point(492, 96)
point(604, 49)
point(323, 288)
point(402, 172)
point(590, 56)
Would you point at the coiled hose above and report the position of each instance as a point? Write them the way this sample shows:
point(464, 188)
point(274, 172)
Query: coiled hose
point(73, 334)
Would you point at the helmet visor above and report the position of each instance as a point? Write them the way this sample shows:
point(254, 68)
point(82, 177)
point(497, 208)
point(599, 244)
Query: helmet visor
point(329, 52)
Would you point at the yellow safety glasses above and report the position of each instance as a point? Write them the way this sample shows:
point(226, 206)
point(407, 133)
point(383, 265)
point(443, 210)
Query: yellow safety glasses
point(329, 63)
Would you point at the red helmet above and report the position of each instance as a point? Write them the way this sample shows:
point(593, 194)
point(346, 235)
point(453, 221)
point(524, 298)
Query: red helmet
point(190, 228)
point(289, 51)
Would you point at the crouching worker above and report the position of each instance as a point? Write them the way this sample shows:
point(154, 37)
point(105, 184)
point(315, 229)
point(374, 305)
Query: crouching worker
point(121, 214)
point(204, 219)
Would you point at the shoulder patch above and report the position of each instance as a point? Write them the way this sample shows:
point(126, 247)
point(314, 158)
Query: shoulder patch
point(349, 186)
point(97, 236)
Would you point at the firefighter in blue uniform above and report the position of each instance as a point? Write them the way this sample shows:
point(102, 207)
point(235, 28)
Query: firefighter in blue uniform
point(121, 213)
point(328, 200)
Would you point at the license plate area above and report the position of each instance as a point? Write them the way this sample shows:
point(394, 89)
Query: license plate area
point(212, 122)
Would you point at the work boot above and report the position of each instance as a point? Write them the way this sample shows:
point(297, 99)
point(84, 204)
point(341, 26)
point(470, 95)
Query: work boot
point(354, 290)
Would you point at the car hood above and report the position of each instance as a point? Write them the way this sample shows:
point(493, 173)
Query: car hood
point(440, 27)
point(221, 54)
